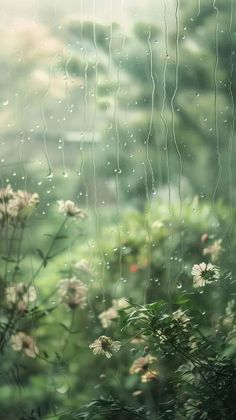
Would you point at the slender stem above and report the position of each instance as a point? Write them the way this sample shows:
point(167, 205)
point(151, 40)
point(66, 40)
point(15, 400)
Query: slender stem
point(68, 334)
point(18, 251)
point(49, 250)
point(8, 327)
point(132, 338)
point(9, 251)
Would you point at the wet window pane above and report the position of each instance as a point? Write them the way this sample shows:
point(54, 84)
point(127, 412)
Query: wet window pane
point(117, 209)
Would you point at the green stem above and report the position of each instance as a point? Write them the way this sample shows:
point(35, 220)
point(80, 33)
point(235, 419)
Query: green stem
point(9, 250)
point(48, 251)
point(18, 251)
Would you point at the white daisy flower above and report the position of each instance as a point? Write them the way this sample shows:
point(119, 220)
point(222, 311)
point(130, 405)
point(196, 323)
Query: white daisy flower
point(204, 273)
point(105, 345)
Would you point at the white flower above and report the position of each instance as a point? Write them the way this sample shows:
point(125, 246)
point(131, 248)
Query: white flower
point(204, 273)
point(112, 312)
point(8, 211)
point(120, 303)
point(6, 195)
point(73, 292)
point(214, 250)
point(69, 208)
point(24, 342)
point(21, 294)
point(22, 204)
point(142, 364)
point(106, 317)
point(83, 265)
point(105, 345)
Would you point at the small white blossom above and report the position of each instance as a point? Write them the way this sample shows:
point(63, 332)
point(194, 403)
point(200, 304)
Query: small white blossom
point(204, 273)
point(112, 313)
point(17, 205)
point(73, 292)
point(214, 250)
point(25, 343)
point(69, 208)
point(120, 303)
point(6, 195)
point(107, 316)
point(23, 203)
point(21, 294)
point(83, 266)
point(105, 345)
point(142, 364)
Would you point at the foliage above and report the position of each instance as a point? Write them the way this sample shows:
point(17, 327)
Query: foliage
point(175, 355)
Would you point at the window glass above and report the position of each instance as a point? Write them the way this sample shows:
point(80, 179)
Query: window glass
point(117, 209)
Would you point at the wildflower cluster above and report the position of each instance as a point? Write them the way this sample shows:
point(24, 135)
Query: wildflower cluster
point(16, 205)
point(19, 298)
point(158, 334)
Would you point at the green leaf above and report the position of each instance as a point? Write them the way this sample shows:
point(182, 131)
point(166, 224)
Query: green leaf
point(9, 259)
point(43, 257)
point(56, 237)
